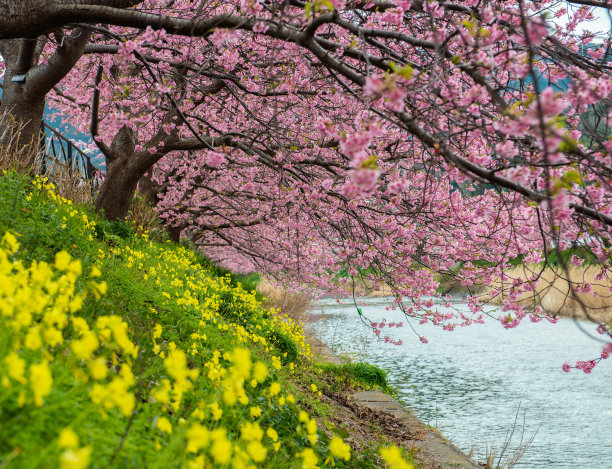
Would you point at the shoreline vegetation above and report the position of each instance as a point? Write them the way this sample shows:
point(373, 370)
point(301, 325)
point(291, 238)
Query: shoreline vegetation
point(552, 293)
point(433, 450)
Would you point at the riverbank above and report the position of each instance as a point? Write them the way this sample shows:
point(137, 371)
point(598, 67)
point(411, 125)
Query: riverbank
point(432, 450)
point(369, 414)
point(554, 294)
point(488, 388)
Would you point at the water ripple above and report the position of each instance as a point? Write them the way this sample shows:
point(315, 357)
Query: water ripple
point(470, 382)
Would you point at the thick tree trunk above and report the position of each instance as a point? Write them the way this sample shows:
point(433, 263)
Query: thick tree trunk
point(118, 189)
point(174, 233)
point(25, 117)
point(148, 188)
point(151, 190)
point(124, 167)
point(22, 110)
point(26, 82)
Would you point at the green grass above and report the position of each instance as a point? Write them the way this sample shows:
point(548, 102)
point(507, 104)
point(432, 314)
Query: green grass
point(359, 374)
point(197, 327)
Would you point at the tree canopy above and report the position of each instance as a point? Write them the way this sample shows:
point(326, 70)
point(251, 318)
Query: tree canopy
point(342, 144)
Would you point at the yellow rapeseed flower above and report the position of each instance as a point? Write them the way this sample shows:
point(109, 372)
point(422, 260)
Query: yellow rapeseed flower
point(311, 426)
point(221, 449)
point(162, 392)
point(41, 381)
point(16, 367)
point(309, 459)
point(32, 339)
point(257, 451)
point(394, 459)
point(164, 425)
point(68, 439)
point(260, 372)
point(241, 358)
point(9, 242)
point(84, 347)
point(251, 431)
point(216, 411)
point(198, 437)
point(97, 368)
point(62, 260)
point(339, 449)
point(272, 434)
point(274, 389)
point(75, 458)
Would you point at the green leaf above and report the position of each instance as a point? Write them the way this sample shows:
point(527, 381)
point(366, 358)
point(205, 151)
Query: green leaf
point(568, 144)
point(560, 183)
point(326, 3)
point(406, 71)
point(308, 9)
point(572, 177)
point(341, 432)
point(468, 25)
point(370, 163)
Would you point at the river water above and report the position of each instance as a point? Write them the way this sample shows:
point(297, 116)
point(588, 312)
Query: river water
point(469, 383)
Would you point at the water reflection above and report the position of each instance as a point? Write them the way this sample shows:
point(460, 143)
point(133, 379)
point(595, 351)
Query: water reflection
point(470, 382)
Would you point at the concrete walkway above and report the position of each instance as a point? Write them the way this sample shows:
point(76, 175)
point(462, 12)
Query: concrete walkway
point(443, 451)
point(439, 449)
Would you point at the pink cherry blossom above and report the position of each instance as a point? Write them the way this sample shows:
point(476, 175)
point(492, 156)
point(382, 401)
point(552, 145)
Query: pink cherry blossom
point(214, 159)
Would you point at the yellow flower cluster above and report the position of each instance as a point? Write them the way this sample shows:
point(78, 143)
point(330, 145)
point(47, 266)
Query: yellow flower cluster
point(64, 207)
point(221, 412)
point(232, 374)
point(392, 455)
point(73, 457)
point(37, 306)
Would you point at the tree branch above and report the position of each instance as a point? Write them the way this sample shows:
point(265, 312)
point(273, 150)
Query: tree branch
point(44, 77)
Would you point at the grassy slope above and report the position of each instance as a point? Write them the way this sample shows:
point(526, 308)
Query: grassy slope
point(201, 373)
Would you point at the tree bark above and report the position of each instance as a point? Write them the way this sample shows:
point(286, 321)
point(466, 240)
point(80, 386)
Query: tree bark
point(149, 189)
point(123, 170)
point(26, 84)
point(117, 190)
point(22, 111)
point(25, 116)
point(174, 233)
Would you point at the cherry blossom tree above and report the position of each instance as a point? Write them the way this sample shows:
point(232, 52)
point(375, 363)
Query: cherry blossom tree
point(341, 144)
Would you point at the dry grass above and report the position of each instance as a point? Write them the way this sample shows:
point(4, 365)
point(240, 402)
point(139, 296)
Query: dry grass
point(12, 155)
point(362, 287)
point(143, 216)
point(293, 304)
point(508, 456)
point(554, 291)
point(69, 183)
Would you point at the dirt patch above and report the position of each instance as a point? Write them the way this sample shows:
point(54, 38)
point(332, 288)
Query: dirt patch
point(364, 428)
point(392, 427)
